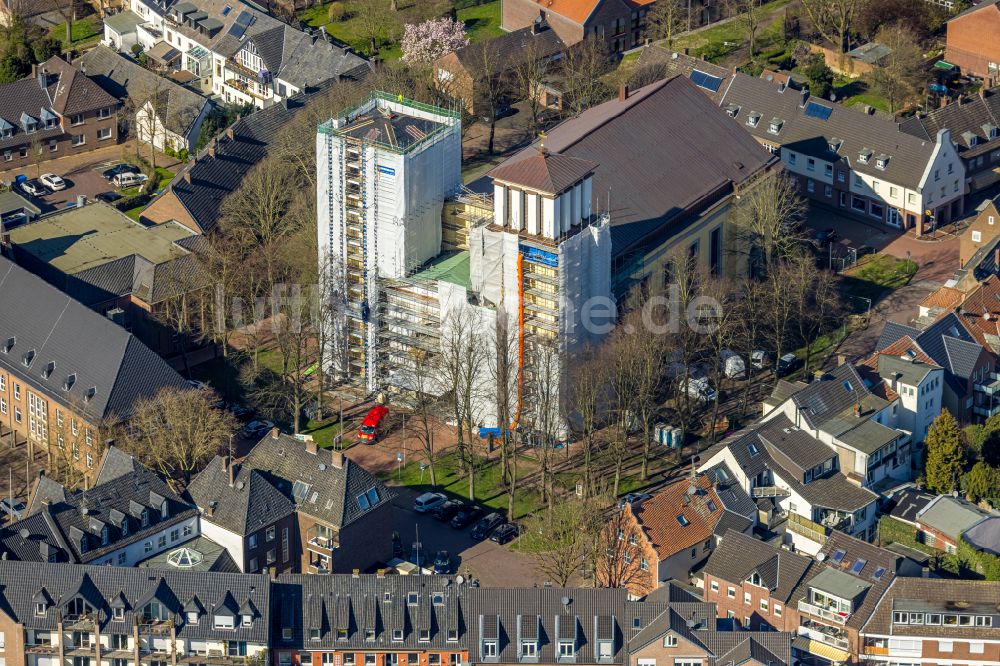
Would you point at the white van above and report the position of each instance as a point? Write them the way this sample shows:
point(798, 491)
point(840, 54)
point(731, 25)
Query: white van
point(124, 180)
point(732, 364)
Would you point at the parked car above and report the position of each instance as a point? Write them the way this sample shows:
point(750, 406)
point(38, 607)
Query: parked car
point(368, 432)
point(109, 174)
point(124, 180)
point(824, 236)
point(786, 364)
point(241, 412)
point(505, 533)
point(34, 188)
point(699, 388)
point(502, 111)
point(633, 498)
point(194, 383)
point(732, 364)
point(14, 509)
point(428, 502)
point(486, 525)
point(257, 428)
point(108, 197)
point(52, 181)
point(760, 359)
point(446, 510)
point(465, 516)
point(442, 562)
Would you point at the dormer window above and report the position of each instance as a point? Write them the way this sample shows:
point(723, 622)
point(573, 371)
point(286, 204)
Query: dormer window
point(341, 634)
point(490, 649)
point(397, 634)
point(224, 622)
point(411, 599)
point(424, 635)
point(452, 635)
point(755, 579)
point(567, 650)
point(864, 156)
point(733, 110)
point(83, 544)
point(529, 649)
point(164, 510)
point(28, 357)
point(369, 634)
point(881, 162)
point(40, 608)
point(753, 119)
point(118, 613)
point(775, 125)
point(124, 527)
point(834, 145)
point(314, 634)
point(437, 599)
point(191, 617)
point(247, 620)
point(104, 535)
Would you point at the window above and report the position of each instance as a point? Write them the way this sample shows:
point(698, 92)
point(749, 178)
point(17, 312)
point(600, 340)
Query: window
point(529, 649)
point(147, 547)
point(731, 593)
point(841, 176)
point(253, 566)
point(252, 541)
point(977, 236)
point(857, 203)
point(271, 556)
point(78, 140)
point(810, 185)
point(269, 534)
point(810, 164)
point(121, 558)
point(17, 393)
point(17, 417)
point(827, 191)
point(763, 605)
point(224, 622)
point(715, 586)
point(945, 646)
point(186, 531)
point(643, 564)
point(791, 158)
point(976, 647)
point(104, 133)
point(53, 145)
point(246, 620)
point(746, 598)
point(397, 634)
point(40, 609)
point(876, 210)
point(489, 649)
point(161, 541)
point(191, 617)
point(567, 649)
point(8, 155)
point(669, 641)
point(104, 113)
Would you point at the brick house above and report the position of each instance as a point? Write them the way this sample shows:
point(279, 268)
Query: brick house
point(620, 23)
point(66, 371)
point(972, 44)
point(57, 111)
point(941, 523)
point(290, 506)
point(980, 237)
point(676, 529)
point(933, 621)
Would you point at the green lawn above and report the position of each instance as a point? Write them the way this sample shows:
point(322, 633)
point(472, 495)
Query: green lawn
point(489, 491)
point(718, 41)
point(85, 32)
point(876, 274)
point(323, 433)
point(482, 21)
point(852, 92)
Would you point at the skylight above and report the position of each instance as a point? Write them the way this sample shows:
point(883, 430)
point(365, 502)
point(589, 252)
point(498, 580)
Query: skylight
point(711, 506)
point(682, 520)
point(878, 573)
point(300, 491)
point(818, 111)
point(838, 556)
point(752, 449)
point(859, 565)
point(706, 81)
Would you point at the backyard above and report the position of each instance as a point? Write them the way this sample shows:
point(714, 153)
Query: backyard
point(85, 32)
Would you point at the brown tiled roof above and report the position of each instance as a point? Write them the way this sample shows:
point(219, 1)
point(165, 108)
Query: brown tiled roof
point(944, 297)
point(660, 515)
point(936, 595)
point(544, 171)
point(739, 555)
point(72, 91)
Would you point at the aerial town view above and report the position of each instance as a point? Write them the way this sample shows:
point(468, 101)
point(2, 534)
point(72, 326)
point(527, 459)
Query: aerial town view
point(471, 332)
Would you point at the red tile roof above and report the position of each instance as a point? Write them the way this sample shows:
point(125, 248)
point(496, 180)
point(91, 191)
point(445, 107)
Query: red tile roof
point(660, 516)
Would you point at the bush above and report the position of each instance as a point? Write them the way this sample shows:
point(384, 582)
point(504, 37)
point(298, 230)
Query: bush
point(136, 49)
point(169, 151)
point(183, 155)
point(128, 203)
point(336, 12)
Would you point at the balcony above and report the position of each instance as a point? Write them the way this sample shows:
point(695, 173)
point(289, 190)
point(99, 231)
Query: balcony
point(880, 650)
point(323, 539)
point(769, 491)
point(987, 412)
point(83, 622)
point(41, 648)
point(243, 87)
point(807, 528)
point(832, 636)
point(990, 386)
point(825, 613)
point(155, 628)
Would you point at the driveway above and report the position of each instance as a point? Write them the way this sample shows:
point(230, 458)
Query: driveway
point(492, 565)
point(87, 182)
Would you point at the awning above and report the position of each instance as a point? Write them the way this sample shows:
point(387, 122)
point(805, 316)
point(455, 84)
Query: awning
point(163, 53)
point(823, 650)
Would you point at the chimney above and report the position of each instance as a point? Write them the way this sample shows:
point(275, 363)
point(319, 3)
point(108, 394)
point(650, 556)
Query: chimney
point(284, 103)
point(228, 467)
point(337, 459)
point(685, 49)
point(81, 201)
point(275, 432)
point(380, 573)
point(210, 509)
point(804, 97)
point(623, 92)
point(536, 26)
point(229, 133)
point(857, 410)
point(187, 176)
point(311, 446)
point(356, 573)
point(211, 149)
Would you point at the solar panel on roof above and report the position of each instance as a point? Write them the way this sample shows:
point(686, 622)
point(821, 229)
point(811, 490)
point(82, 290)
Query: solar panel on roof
point(706, 81)
point(818, 111)
point(243, 21)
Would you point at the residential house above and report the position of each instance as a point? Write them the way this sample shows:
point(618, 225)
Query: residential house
point(195, 196)
point(678, 181)
point(973, 123)
point(934, 620)
point(942, 522)
point(860, 419)
point(908, 503)
point(823, 600)
point(676, 529)
point(979, 239)
point(76, 614)
point(291, 506)
point(939, 302)
point(797, 482)
point(852, 161)
point(16, 210)
point(460, 74)
point(55, 112)
point(169, 115)
point(128, 272)
point(970, 44)
point(657, 61)
point(119, 522)
point(964, 346)
point(121, 30)
point(65, 371)
point(239, 53)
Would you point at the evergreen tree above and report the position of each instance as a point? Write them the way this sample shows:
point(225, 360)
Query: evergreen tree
point(982, 482)
point(944, 454)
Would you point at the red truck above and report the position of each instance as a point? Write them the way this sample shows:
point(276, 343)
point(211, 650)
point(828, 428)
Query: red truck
point(368, 432)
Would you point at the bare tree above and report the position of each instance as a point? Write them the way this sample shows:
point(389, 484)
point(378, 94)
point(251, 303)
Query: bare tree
point(767, 216)
point(177, 431)
point(618, 556)
point(833, 19)
point(815, 301)
point(376, 22)
point(583, 66)
point(584, 404)
point(558, 539)
point(748, 15)
point(490, 83)
point(542, 414)
point(424, 389)
point(666, 18)
point(622, 381)
point(182, 301)
point(505, 367)
point(532, 68)
point(751, 303)
point(898, 76)
point(686, 281)
point(67, 10)
point(721, 333)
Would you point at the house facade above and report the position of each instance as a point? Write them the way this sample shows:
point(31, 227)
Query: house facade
point(970, 44)
point(55, 112)
point(858, 163)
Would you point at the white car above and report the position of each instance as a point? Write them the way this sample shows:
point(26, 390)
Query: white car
point(428, 502)
point(53, 182)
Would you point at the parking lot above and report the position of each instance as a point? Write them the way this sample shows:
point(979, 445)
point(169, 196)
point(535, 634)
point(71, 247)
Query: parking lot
point(87, 182)
point(485, 561)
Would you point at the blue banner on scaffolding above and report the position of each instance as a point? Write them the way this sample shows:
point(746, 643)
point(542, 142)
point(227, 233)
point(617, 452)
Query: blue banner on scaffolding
point(389, 171)
point(539, 256)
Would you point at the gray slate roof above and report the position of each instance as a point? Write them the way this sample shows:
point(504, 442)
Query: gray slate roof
point(739, 555)
point(109, 368)
point(251, 503)
point(985, 535)
point(974, 115)
point(664, 154)
point(909, 503)
point(177, 106)
point(810, 135)
point(101, 586)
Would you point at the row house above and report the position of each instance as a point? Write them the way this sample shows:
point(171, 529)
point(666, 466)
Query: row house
point(289, 506)
point(934, 621)
point(55, 112)
point(238, 53)
point(67, 372)
point(673, 532)
point(797, 482)
point(970, 42)
point(121, 521)
point(858, 163)
point(823, 600)
point(857, 415)
point(96, 615)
